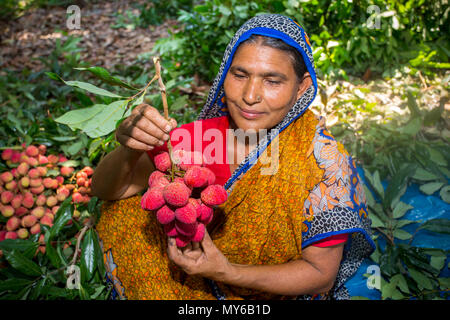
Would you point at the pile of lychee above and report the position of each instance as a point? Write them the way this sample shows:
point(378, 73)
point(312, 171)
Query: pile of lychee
point(183, 195)
point(34, 187)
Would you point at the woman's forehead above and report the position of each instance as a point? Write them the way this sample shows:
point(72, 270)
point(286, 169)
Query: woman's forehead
point(255, 58)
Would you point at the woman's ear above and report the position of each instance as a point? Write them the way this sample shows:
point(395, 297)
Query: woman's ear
point(304, 84)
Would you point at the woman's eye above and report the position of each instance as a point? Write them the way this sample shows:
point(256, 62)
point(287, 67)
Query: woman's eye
point(239, 76)
point(274, 82)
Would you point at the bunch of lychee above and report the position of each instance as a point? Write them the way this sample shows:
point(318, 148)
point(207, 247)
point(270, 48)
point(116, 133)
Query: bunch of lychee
point(32, 190)
point(183, 195)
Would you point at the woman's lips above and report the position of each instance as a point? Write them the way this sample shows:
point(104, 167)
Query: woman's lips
point(250, 114)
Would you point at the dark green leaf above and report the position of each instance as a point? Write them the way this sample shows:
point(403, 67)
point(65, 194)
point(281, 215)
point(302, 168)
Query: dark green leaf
point(420, 279)
point(400, 209)
point(445, 194)
point(88, 258)
point(50, 252)
point(104, 75)
point(98, 253)
point(437, 225)
point(92, 89)
point(20, 262)
point(64, 214)
point(397, 186)
point(18, 245)
point(14, 284)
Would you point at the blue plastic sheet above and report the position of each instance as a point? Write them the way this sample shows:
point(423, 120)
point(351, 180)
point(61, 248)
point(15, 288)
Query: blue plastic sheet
point(426, 207)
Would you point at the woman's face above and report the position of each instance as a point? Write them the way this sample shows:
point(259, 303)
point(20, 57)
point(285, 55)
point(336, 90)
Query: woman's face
point(261, 87)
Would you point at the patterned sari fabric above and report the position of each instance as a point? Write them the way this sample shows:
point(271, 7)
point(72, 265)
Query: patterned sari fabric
point(273, 211)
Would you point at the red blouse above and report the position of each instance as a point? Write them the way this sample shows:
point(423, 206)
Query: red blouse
point(221, 169)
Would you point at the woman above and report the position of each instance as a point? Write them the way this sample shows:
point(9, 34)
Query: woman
point(296, 229)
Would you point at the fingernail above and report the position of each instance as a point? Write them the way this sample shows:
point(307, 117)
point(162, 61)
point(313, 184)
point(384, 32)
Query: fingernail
point(168, 127)
point(165, 137)
point(160, 142)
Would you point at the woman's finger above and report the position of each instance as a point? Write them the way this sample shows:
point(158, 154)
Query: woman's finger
point(132, 143)
point(207, 243)
point(154, 116)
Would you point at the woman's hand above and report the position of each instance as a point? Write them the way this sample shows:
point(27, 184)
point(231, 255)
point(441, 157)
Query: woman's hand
point(203, 259)
point(144, 129)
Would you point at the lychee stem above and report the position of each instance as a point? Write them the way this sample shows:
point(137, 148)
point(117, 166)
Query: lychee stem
point(162, 88)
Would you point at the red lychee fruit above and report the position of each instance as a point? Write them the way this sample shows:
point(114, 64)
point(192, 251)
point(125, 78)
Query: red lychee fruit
point(46, 220)
point(176, 194)
point(63, 190)
point(32, 151)
point(186, 214)
point(195, 203)
point(21, 211)
point(55, 209)
point(205, 213)
point(42, 171)
point(81, 181)
point(186, 229)
point(214, 195)
point(38, 212)
point(152, 199)
point(162, 161)
point(62, 158)
point(7, 154)
point(89, 171)
point(16, 202)
point(40, 200)
point(48, 182)
point(34, 173)
point(11, 235)
point(2, 234)
point(15, 173)
point(182, 241)
point(59, 180)
point(35, 229)
point(170, 230)
point(77, 197)
point(199, 234)
point(42, 149)
point(42, 159)
point(25, 182)
point(81, 174)
point(37, 190)
point(12, 185)
point(209, 175)
point(6, 197)
point(67, 171)
point(154, 176)
point(51, 201)
point(53, 159)
point(33, 162)
point(195, 177)
point(15, 158)
point(35, 182)
point(23, 233)
point(29, 221)
point(28, 200)
point(165, 215)
point(7, 211)
point(23, 168)
point(6, 176)
point(160, 183)
point(13, 223)
point(61, 197)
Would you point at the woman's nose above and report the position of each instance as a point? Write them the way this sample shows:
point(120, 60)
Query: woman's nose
point(252, 92)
